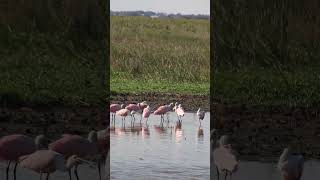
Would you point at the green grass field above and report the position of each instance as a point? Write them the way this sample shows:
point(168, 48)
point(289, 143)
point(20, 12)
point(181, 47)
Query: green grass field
point(39, 68)
point(265, 86)
point(160, 55)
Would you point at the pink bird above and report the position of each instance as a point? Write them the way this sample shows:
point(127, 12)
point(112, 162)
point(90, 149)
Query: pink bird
point(113, 109)
point(123, 113)
point(180, 113)
point(137, 108)
point(47, 161)
point(163, 110)
point(200, 115)
point(70, 145)
point(225, 157)
point(103, 137)
point(146, 113)
point(14, 146)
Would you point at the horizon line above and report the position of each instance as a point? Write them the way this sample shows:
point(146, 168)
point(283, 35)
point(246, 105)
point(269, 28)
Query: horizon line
point(159, 12)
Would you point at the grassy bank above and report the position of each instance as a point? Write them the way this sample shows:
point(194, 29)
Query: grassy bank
point(266, 86)
point(38, 68)
point(160, 55)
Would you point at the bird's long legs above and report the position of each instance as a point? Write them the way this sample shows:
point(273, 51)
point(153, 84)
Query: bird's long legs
point(7, 172)
point(48, 174)
point(15, 171)
point(76, 172)
point(69, 172)
point(218, 174)
point(99, 169)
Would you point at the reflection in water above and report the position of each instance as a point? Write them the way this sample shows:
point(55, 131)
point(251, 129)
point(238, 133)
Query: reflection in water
point(200, 135)
point(168, 151)
point(251, 170)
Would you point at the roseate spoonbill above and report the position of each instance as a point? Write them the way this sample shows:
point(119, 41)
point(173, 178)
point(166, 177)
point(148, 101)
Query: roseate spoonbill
point(146, 113)
point(103, 137)
point(47, 161)
point(200, 115)
point(290, 165)
point(70, 145)
point(225, 158)
point(163, 110)
point(14, 146)
point(137, 107)
point(180, 113)
point(113, 109)
point(123, 113)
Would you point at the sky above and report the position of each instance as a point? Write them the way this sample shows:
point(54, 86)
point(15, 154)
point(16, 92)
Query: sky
point(165, 6)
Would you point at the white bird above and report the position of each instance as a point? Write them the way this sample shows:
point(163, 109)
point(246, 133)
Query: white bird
point(290, 165)
point(175, 107)
point(180, 113)
point(225, 158)
point(200, 115)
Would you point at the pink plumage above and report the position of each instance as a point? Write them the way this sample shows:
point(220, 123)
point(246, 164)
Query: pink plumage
point(180, 111)
point(43, 161)
point(14, 146)
point(133, 107)
point(161, 110)
point(103, 141)
point(123, 112)
point(114, 108)
point(146, 112)
point(74, 145)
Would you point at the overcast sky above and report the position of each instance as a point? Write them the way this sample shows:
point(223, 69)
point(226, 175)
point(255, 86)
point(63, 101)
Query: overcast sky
point(166, 6)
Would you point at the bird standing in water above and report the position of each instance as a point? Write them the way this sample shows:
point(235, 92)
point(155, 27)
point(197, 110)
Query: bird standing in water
point(162, 110)
point(200, 115)
point(180, 113)
point(290, 165)
point(14, 146)
point(225, 157)
point(70, 145)
point(47, 161)
point(113, 109)
point(146, 113)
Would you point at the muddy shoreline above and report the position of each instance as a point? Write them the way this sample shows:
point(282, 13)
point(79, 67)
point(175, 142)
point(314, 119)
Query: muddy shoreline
point(52, 121)
point(261, 132)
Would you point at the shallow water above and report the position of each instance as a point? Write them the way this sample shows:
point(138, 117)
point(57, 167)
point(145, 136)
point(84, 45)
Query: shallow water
point(268, 171)
point(84, 172)
point(155, 152)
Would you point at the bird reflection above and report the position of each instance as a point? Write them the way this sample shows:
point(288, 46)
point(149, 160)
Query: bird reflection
point(145, 132)
point(178, 132)
point(160, 129)
point(200, 134)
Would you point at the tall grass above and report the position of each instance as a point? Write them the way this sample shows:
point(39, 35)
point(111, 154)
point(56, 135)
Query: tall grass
point(159, 50)
point(43, 68)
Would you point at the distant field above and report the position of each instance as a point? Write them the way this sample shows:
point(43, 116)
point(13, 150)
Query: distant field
point(160, 55)
point(39, 68)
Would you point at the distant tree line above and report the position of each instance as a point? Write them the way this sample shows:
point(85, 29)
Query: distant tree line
point(160, 15)
point(265, 32)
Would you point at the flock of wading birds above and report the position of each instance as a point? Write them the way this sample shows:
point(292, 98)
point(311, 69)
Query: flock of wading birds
point(72, 150)
point(145, 111)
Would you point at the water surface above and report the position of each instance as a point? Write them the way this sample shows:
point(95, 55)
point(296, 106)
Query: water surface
point(161, 152)
point(253, 170)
